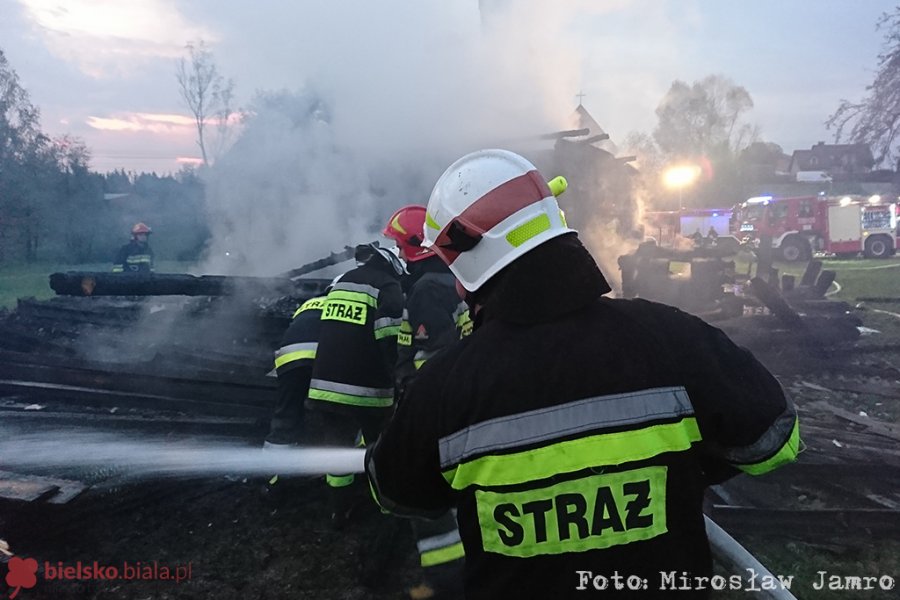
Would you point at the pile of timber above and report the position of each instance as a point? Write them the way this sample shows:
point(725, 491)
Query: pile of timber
point(647, 273)
point(798, 314)
point(204, 355)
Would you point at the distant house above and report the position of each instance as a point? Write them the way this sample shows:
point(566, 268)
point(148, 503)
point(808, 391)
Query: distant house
point(833, 159)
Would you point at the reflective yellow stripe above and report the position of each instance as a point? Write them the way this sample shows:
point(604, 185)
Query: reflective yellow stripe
point(340, 398)
point(418, 363)
point(388, 331)
point(294, 356)
point(311, 304)
point(374, 493)
point(138, 258)
point(339, 481)
point(352, 297)
point(404, 338)
point(528, 230)
point(787, 453)
point(429, 220)
point(574, 455)
point(443, 555)
point(118, 269)
point(395, 223)
point(463, 321)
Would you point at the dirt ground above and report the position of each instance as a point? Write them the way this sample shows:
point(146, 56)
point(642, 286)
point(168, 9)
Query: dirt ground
point(242, 539)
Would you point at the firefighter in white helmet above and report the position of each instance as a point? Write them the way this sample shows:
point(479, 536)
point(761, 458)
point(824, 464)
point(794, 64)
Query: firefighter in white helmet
point(573, 433)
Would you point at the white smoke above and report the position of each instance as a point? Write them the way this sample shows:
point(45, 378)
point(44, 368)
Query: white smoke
point(387, 101)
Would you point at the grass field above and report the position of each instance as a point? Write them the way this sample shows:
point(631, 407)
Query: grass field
point(32, 280)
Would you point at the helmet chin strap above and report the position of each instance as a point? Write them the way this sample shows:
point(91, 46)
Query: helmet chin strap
point(469, 298)
point(462, 292)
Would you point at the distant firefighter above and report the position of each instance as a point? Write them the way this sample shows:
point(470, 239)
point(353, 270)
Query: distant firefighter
point(136, 256)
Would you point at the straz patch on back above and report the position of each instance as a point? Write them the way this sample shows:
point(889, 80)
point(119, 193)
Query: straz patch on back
point(575, 516)
point(345, 310)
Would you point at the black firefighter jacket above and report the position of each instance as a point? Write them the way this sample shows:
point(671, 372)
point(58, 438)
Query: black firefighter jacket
point(357, 349)
point(429, 317)
point(576, 434)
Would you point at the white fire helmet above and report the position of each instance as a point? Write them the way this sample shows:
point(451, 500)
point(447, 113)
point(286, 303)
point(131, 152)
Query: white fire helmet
point(487, 209)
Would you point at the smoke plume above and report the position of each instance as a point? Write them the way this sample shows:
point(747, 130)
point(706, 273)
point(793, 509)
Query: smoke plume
point(378, 113)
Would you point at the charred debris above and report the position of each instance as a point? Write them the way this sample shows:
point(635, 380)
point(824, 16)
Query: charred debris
point(189, 356)
point(758, 308)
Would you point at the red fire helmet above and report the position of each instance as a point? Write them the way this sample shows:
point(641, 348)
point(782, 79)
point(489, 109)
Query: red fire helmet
point(405, 227)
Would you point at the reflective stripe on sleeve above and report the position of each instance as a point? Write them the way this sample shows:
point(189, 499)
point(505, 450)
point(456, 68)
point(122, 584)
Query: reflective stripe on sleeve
point(386, 326)
point(295, 352)
point(778, 455)
point(343, 393)
point(339, 481)
point(440, 549)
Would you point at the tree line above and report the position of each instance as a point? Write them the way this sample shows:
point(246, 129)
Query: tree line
point(54, 208)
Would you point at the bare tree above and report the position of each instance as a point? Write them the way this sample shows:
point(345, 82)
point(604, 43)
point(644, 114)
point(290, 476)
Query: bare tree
point(206, 93)
point(876, 118)
point(223, 93)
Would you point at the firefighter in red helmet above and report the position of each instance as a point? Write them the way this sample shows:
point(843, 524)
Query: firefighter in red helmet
point(431, 317)
point(136, 256)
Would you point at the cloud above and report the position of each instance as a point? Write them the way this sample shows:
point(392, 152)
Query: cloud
point(108, 38)
point(149, 122)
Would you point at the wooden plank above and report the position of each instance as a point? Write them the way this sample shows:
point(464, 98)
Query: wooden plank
point(813, 268)
point(100, 397)
point(774, 302)
point(25, 488)
point(877, 427)
point(68, 491)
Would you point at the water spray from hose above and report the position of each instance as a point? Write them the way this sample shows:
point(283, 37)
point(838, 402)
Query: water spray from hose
point(153, 457)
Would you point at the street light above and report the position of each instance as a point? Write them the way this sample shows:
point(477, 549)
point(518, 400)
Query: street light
point(680, 177)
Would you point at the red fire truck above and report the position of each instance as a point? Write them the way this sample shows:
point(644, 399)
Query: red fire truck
point(843, 225)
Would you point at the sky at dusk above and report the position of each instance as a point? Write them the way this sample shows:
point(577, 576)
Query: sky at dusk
point(104, 70)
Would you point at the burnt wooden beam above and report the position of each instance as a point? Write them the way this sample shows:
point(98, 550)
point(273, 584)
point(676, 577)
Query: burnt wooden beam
point(813, 268)
point(83, 283)
point(769, 296)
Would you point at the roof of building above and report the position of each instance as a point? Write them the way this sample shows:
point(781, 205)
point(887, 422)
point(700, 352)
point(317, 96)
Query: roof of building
point(824, 156)
point(582, 119)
